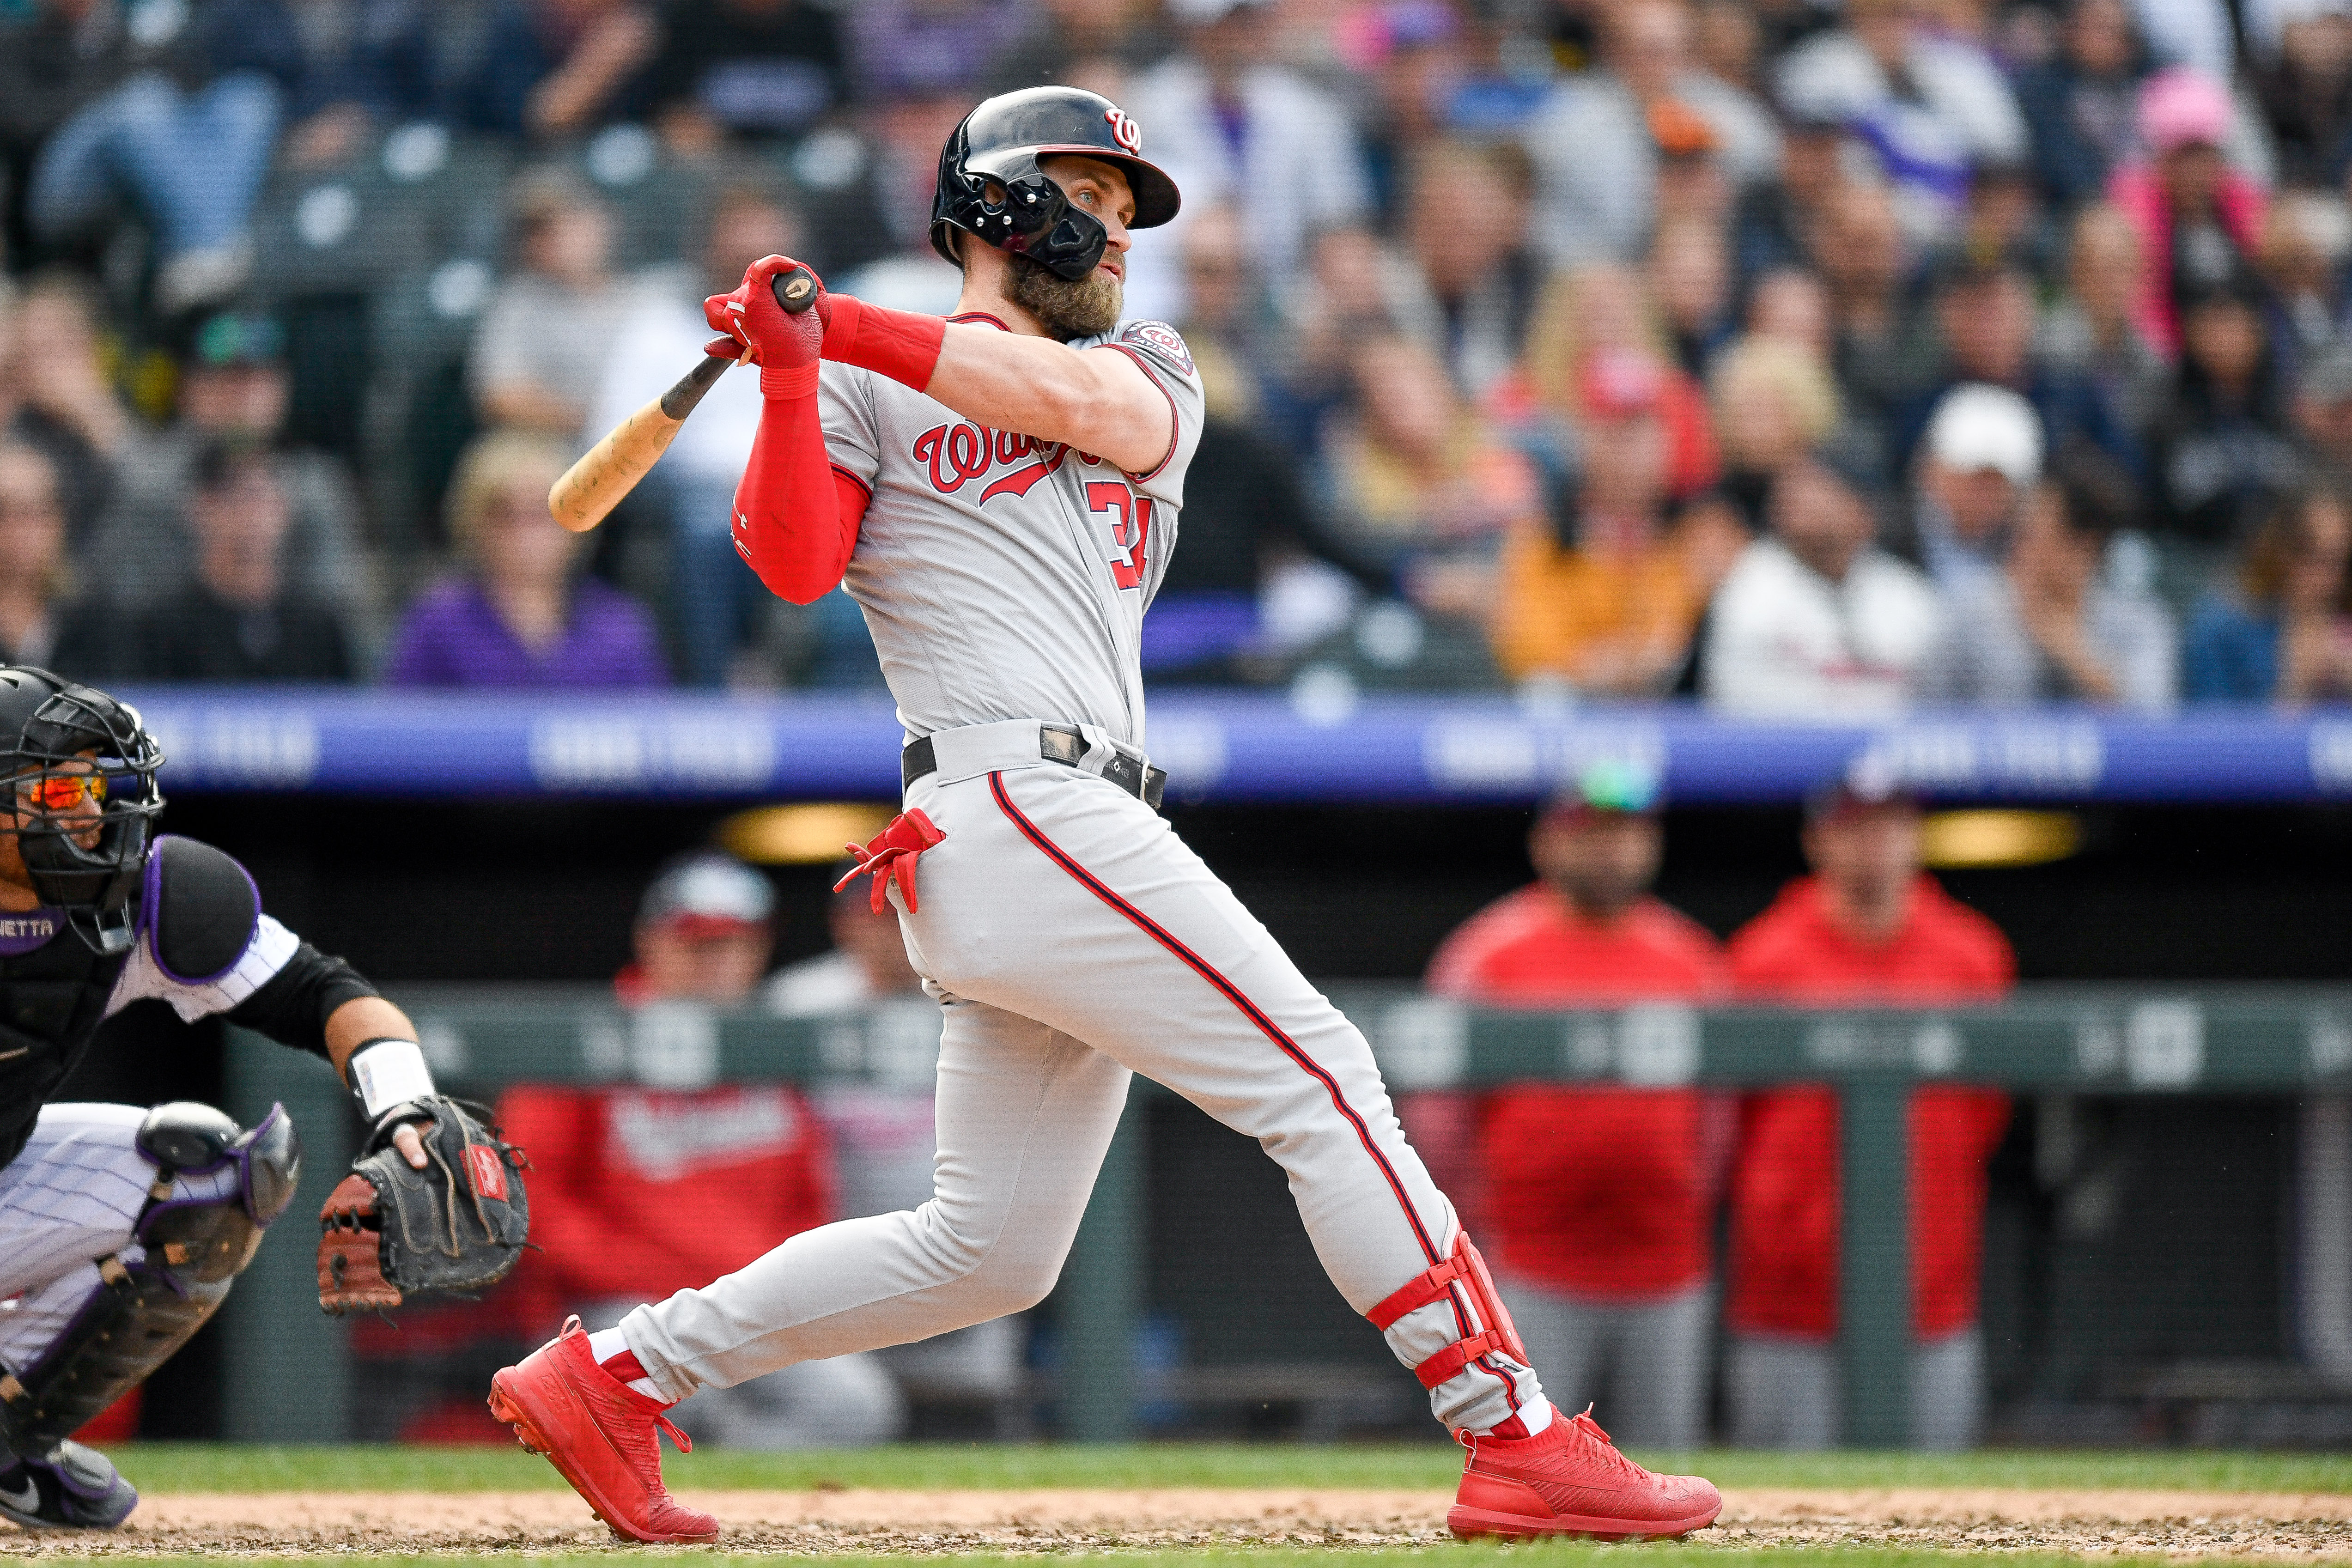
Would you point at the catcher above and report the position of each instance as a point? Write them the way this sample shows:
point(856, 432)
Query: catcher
point(122, 1228)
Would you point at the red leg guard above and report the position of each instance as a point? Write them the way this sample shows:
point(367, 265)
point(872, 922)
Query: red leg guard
point(1464, 1278)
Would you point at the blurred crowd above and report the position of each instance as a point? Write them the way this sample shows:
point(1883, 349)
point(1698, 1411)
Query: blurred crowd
point(1811, 359)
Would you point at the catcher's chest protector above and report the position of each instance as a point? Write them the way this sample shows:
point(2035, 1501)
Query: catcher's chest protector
point(198, 908)
point(52, 1000)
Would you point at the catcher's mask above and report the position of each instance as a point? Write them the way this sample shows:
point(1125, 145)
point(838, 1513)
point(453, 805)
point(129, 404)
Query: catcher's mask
point(61, 742)
point(1002, 142)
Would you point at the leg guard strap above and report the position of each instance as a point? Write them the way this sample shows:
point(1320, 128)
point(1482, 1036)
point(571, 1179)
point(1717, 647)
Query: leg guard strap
point(1460, 1281)
point(130, 1326)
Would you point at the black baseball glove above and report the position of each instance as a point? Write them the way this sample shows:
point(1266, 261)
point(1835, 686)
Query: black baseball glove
point(390, 1231)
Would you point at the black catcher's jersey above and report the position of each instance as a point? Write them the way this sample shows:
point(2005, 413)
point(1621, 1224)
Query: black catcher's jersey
point(203, 945)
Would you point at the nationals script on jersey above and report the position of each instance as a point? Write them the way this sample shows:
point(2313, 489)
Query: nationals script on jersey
point(1004, 577)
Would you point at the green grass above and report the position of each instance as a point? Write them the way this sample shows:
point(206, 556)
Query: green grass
point(197, 1468)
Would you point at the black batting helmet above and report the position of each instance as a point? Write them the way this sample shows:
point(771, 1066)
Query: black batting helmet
point(52, 727)
point(1001, 142)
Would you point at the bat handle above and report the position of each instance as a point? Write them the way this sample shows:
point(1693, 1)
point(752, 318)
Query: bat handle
point(795, 291)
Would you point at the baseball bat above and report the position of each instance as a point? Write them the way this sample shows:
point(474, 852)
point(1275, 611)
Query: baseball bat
point(610, 469)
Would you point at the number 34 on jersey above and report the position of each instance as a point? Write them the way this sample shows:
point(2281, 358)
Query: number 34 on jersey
point(956, 455)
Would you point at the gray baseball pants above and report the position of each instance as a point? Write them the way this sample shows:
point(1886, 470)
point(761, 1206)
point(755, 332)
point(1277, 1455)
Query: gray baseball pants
point(1642, 1365)
point(1073, 939)
point(1789, 1393)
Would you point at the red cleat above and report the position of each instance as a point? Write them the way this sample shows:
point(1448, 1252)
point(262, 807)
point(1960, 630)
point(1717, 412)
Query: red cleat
point(1570, 1479)
point(599, 1432)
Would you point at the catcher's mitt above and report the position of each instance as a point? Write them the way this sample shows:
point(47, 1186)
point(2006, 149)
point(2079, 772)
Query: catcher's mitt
point(389, 1230)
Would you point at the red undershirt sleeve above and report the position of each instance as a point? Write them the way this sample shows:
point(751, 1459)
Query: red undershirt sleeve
point(796, 517)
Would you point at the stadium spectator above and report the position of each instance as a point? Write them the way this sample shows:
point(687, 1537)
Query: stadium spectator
point(1773, 402)
point(523, 614)
point(1592, 143)
point(36, 625)
point(1409, 54)
point(1774, 223)
point(935, 40)
point(2323, 412)
point(240, 618)
point(1692, 182)
point(1225, 321)
point(1982, 452)
point(2198, 220)
point(1600, 1199)
point(1064, 34)
point(1886, 346)
point(1234, 127)
point(2222, 445)
point(553, 68)
point(614, 1168)
point(2284, 634)
point(2305, 91)
point(1985, 315)
point(539, 346)
point(175, 116)
point(2048, 627)
point(346, 69)
point(1610, 610)
point(1931, 106)
point(233, 385)
point(66, 403)
point(1790, 305)
point(884, 1138)
point(2088, 331)
point(1584, 312)
point(2079, 103)
point(1690, 278)
point(1867, 927)
point(712, 593)
point(2305, 240)
point(1422, 483)
point(1464, 285)
point(1814, 621)
point(744, 67)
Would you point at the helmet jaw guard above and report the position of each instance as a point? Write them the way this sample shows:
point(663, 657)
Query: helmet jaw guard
point(94, 886)
point(1004, 142)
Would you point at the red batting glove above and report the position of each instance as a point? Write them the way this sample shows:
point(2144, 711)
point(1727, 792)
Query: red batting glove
point(785, 347)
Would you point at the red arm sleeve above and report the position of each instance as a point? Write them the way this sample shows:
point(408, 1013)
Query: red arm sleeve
point(795, 519)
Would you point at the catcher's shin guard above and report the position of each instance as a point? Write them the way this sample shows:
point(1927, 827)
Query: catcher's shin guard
point(1461, 1283)
point(144, 1310)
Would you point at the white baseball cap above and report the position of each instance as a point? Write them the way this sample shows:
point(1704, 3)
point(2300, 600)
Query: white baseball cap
point(1981, 426)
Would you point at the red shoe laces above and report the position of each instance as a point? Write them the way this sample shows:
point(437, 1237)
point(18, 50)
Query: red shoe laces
point(1606, 1447)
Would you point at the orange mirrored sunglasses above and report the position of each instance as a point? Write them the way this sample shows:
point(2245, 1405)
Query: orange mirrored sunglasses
point(62, 792)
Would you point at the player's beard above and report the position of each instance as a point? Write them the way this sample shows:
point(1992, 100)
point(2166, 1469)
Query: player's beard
point(1085, 309)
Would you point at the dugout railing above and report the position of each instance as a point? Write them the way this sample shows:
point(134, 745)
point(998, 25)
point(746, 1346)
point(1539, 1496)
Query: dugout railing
point(289, 1370)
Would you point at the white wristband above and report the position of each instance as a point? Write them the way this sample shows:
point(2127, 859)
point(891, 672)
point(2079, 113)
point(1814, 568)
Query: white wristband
point(385, 1072)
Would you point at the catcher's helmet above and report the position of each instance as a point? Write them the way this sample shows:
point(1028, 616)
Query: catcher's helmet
point(46, 724)
point(1002, 140)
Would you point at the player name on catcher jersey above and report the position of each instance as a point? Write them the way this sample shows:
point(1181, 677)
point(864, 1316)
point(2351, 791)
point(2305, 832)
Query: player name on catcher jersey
point(1005, 577)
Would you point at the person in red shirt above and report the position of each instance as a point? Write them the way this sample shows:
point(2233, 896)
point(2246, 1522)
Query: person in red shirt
point(1600, 1198)
point(640, 1190)
point(1869, 926)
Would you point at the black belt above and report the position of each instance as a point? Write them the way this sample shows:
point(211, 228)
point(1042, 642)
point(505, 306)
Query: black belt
point(1056, 743)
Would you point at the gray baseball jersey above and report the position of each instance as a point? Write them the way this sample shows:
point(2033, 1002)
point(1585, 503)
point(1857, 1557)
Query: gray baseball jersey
point(1004, 577)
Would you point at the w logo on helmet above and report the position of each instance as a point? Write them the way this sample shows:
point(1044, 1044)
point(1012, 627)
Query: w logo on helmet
point(1123, 130)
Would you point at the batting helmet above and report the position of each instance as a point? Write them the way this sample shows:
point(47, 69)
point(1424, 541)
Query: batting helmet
point(1002, 142)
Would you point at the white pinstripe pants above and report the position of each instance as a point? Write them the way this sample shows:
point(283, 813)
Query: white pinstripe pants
point(71, 1198)
point(1074, 939)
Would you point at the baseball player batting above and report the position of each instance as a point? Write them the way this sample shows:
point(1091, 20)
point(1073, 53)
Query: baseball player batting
point(1000, 489)
point(121, 1229)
